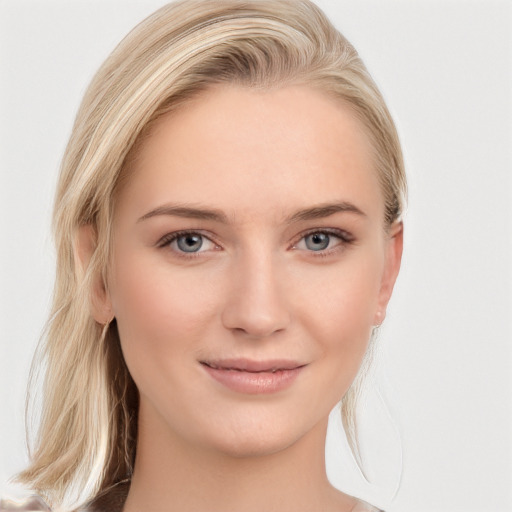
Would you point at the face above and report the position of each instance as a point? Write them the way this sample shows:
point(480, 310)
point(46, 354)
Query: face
point(250, 263)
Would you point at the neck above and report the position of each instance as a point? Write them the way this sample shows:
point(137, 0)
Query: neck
point(171, 474)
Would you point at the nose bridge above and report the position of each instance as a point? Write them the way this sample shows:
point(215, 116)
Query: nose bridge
point(257, 304)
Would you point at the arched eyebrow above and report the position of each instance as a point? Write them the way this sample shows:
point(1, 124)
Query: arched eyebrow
point(324, 210)
point(187, 212)
point(200, 213)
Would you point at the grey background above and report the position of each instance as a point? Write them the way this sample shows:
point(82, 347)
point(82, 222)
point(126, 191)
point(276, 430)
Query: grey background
point(445, 361)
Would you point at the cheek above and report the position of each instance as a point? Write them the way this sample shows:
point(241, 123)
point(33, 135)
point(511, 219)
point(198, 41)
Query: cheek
point(338, 314)
point(160, 313)
point(341, 300)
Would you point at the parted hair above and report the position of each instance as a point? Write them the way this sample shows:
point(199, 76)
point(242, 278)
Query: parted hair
point(86, 441)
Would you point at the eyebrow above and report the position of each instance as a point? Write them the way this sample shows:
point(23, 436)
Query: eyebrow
point(315, 212)
point(186, 212)
point(325, 210)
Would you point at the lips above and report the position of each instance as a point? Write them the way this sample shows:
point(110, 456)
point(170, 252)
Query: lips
point(254, 377)
point(246, 365)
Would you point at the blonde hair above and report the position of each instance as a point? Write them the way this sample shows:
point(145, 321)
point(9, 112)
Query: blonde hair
point(87, 433)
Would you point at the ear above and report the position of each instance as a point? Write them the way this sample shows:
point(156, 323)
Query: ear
point(85, 246)
point(394, 248)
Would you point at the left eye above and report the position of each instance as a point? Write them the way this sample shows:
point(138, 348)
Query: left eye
point(318, 241)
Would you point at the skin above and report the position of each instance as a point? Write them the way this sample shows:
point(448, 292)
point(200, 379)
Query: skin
point(258, 288)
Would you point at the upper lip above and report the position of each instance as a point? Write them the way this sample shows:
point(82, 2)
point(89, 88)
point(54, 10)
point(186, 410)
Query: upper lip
point(248, 365)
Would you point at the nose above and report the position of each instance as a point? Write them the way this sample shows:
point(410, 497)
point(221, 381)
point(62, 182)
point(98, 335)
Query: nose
point(256, 306)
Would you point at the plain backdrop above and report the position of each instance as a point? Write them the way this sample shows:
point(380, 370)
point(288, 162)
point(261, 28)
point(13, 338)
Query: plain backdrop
point(445, 364)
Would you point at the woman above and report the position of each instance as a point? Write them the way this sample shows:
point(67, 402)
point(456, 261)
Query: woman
point(228, 229)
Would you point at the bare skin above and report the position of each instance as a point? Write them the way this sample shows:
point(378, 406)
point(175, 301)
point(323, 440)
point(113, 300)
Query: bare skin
point(251, 230)
point(203, 481)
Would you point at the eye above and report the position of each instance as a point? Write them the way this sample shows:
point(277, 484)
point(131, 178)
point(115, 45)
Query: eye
point(191, 242)
point(323, 241)
point(317, 241)
point(187, 242)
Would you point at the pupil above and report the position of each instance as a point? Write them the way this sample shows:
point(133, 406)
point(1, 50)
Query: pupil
point(317, 241)
point(190, 243)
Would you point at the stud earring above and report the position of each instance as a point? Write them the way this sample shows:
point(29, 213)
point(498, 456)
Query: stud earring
point(378, 318)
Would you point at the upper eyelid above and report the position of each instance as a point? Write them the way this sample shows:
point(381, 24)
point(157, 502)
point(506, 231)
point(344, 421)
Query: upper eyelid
point(344, 235)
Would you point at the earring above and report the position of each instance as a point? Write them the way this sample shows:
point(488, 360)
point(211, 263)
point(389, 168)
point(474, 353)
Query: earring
point(378, 317)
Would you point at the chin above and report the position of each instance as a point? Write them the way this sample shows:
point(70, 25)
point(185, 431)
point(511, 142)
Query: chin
point(252, 446)
point(255, 437)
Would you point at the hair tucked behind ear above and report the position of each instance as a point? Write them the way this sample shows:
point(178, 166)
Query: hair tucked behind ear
point(87, 436)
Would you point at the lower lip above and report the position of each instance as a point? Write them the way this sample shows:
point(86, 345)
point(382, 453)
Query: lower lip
point(254, 382)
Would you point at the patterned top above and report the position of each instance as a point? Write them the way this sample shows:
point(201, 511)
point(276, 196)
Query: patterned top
point(31, 504)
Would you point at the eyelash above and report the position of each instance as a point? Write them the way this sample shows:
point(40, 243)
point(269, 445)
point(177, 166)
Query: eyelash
point(345, 239)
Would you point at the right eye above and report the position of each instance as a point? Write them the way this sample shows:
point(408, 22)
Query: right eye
point(187, 243)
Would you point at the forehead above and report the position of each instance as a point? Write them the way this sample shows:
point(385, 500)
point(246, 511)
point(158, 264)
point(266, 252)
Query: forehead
point(246, 151)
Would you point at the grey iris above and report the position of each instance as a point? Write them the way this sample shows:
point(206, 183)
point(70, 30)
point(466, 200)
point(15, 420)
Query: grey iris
point(317, 241)
point(190, 243)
